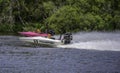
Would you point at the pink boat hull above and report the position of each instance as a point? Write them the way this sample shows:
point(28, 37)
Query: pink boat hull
point(32, 34)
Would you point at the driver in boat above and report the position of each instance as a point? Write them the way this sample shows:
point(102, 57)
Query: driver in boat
point(49, 34)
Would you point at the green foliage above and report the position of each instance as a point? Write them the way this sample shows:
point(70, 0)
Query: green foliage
point(30, 28)
point(6, 28)
point(49, 7)
point(34, 27)
point(62, 16)
point(64, 19)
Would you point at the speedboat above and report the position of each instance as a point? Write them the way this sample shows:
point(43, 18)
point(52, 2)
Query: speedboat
point(32, 34)
point(45, 38)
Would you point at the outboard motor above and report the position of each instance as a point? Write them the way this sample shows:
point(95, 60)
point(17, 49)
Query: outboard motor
point(67, 38)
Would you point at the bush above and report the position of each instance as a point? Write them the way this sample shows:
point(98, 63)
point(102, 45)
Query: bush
point(6, 28)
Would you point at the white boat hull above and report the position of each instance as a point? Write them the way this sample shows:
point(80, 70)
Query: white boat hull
point(41, 41)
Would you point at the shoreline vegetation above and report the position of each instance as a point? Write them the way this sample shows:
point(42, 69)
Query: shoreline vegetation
point(17, 34)
point(60, 16)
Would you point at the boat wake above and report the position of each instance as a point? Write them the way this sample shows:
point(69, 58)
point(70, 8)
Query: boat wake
point(94, 45)
point(95, 41)
point(83, 40)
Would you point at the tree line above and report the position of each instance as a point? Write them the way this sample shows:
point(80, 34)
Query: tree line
point(60, 15)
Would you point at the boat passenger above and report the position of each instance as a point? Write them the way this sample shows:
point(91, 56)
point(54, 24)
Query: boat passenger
point(38, 31)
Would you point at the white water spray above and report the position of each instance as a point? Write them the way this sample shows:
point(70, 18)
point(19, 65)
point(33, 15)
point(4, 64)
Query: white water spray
point(95, 41)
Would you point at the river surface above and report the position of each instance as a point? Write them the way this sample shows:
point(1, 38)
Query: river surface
point(89, 52)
